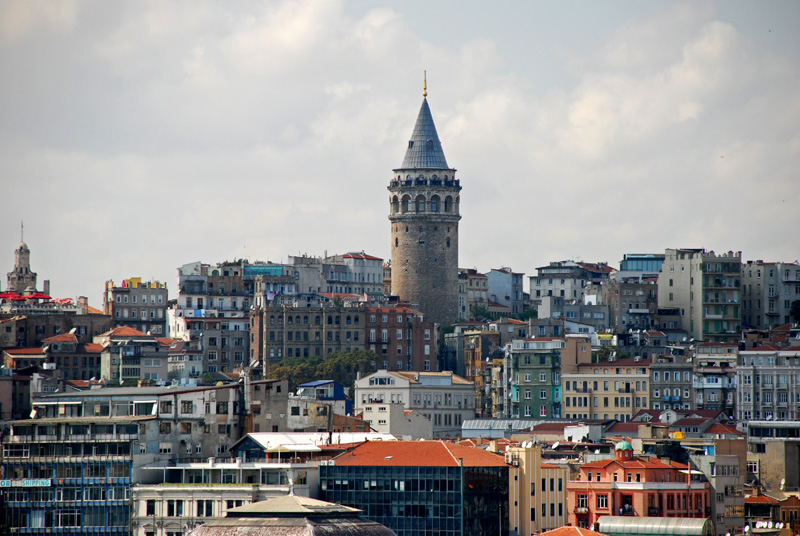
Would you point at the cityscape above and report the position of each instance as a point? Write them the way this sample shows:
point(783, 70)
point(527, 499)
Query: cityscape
point(390, 387)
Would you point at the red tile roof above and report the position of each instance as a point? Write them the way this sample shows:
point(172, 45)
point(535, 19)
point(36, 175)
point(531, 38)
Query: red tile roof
point(24, 351)
point(90, 348)
point(637, 462)
point(418, 454)
point(762, 348)
point(759, 499)
point(360, 256)
point(125, 331)
point(93, 311)
point(718, 428)
point(64, 337)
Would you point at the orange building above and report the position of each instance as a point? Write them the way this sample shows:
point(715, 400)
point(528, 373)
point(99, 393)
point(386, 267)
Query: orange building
point(639, 486)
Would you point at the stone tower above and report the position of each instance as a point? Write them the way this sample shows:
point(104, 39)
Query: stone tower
point(21, 279)
point(424, 215)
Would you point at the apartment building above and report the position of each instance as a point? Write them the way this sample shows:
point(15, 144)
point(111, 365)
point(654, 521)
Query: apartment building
point(611, 390)
point(768, 291)
point(537, 490)
point(505, 288)
point(137, 304)
point(768, 384)
point(535, 385)
point(672, 383)
point(401, 338)
point(445, 399)
point(715, 376)
point(706, 289)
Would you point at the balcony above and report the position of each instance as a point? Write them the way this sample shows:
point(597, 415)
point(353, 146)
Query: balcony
point(581, 509)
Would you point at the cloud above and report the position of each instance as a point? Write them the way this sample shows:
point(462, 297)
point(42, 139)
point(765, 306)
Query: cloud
point(151, 135)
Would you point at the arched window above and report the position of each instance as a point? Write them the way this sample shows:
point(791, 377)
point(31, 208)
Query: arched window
point(434, 204)
point(330, 320)
point(448, 204)
point(271, 320)
point(396, 242)
point(297, 320)
point(410, 207)
point(420, 204)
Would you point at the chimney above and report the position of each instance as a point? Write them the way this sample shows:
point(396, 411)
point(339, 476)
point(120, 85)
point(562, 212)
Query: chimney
point(46, 288)
point(83, 301)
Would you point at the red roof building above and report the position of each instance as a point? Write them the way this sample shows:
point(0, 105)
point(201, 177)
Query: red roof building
point(637, 486)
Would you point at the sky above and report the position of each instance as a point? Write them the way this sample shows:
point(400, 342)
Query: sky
point(136, 137)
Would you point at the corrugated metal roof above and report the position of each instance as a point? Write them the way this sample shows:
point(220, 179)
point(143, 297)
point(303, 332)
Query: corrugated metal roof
point(424, 148)
point(653, 526)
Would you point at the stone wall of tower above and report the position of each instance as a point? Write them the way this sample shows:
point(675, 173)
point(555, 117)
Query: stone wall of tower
point(424, 216)
point(22, 277)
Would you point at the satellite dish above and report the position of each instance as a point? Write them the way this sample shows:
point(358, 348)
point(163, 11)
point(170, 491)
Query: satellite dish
point(746, 528)
point(769, 525)
point(555, 445)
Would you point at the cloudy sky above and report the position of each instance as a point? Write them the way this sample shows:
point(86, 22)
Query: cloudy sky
point(139, 136)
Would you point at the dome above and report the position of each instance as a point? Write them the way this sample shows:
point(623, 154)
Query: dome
point(623, 445)
point(23, 246)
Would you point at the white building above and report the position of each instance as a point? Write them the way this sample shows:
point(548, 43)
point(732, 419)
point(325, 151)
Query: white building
point(443, 397)
point(395, 419)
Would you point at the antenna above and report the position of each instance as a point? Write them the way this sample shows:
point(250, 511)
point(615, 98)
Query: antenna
point(425, 83)
point(21, 231)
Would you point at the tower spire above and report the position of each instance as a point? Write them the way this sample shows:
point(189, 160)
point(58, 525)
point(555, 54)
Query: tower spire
point(21, 231)
point(424, 84)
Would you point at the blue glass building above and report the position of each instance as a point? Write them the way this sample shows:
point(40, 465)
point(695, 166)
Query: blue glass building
point(422, 487)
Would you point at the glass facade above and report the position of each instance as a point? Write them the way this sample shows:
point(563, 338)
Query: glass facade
point(65, 485)
point(423, 500)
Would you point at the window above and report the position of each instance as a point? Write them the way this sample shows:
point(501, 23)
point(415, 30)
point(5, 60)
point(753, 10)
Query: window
point(187, 407)
point(602, 501)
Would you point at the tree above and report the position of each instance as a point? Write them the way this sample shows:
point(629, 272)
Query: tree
point(342, 367)
point(529, 313)
point(480, 313)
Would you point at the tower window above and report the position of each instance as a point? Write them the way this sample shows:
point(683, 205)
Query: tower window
point(448, 242)
point(421, 242)
point(406, 228)
point(410, 144)
point(397, 242)
point(420, 229)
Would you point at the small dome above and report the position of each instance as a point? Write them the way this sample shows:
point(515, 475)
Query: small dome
point(23, 246)
point(623, 445)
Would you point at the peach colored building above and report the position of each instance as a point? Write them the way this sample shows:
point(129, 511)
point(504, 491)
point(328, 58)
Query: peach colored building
point(637, 486)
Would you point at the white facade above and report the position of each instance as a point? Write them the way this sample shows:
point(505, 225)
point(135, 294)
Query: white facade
point(396, 420)
point(444, 398)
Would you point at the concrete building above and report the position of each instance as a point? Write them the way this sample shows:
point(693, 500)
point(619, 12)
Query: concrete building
point(612, 390)
point(26, 324)
point(571, 310)
point(424, 201)
point(706, 288)
point(75, 461)
point(768, 291)
point(394, 419)
point(301, 332)
point(212, 313)
point(505, 287)
point(535, 381)
point(129, 356)
point(773, 454)
point(768, 384)
point(632, 303)
point(566, 279)
point(537, 491)
point(715, 376)
point(672, 383)
point(138, 305)
point(445, 399)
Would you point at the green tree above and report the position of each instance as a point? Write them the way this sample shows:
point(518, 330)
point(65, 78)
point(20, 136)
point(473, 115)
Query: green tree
point(480, 313)
point(342, 367)
point(528, 313)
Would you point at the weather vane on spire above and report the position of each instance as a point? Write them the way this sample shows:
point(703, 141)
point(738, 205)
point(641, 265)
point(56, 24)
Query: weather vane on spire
point(425, 83)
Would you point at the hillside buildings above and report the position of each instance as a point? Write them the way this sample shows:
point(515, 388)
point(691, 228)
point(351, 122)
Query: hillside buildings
point(768, 291)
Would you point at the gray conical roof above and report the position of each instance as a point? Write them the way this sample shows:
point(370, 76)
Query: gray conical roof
point(424, 148)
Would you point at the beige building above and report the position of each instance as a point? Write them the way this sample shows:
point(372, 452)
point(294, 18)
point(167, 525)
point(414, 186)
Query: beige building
point(612, 390)
point(138, 304)
point(537, 491)
point(706, 288)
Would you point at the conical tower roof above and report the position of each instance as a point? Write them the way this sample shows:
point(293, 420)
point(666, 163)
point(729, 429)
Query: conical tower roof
point(424, 148)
